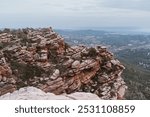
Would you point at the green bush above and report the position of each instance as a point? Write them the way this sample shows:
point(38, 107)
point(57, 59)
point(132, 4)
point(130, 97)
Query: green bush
point(92, 52)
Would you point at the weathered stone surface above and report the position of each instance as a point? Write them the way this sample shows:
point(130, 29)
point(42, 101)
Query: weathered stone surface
point(32, 93)
point(76, 64)
point(41, 58)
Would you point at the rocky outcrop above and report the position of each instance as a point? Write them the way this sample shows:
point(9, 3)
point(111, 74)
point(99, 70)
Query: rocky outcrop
point(41, 58)
point(7, 80)
point(32, 93)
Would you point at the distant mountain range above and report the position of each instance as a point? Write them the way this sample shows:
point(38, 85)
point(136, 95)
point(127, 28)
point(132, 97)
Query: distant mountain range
point(119, 30)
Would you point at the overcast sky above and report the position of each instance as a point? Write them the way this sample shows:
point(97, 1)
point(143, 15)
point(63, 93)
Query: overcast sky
point(74, 13)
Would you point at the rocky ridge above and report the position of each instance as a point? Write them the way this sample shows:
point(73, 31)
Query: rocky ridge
point(40, 58)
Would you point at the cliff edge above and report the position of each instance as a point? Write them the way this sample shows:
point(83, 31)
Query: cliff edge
point(40, 58)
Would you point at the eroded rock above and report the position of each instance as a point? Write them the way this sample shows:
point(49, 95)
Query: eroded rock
point(40, 58)
point(32, 93)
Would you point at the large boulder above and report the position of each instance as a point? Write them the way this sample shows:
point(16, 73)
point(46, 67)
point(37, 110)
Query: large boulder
point(32, 93)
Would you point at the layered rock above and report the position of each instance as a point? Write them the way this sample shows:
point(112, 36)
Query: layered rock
point(7, 80)
point(5, 37)
point(41, 58)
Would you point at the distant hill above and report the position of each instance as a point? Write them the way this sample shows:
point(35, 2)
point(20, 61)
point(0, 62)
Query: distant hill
point(81, 32)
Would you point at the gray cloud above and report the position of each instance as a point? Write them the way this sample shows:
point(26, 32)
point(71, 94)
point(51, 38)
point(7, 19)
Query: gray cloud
point(127, 4)
point(75, 13)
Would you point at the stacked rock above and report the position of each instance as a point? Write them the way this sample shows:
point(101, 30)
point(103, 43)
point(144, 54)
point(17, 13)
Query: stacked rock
point(7, 80)
point(42, 59)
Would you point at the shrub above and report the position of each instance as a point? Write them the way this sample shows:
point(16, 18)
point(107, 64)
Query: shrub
point(92, 52)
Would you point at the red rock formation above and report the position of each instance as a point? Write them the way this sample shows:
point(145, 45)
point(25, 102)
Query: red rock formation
point(7, 80)
point(46, 62)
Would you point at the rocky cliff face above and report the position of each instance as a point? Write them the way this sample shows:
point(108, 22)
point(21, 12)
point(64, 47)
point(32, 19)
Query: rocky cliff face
point(40, 58)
